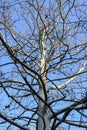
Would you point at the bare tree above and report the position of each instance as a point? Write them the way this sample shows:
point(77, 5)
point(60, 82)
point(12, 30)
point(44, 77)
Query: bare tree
point(43, 64)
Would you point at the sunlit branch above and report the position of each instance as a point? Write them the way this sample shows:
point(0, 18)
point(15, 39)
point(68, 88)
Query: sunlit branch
point(64, 85)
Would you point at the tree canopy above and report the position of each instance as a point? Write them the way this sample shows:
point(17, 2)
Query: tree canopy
point(43, 64)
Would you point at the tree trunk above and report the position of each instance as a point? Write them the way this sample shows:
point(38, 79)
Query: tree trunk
point(43, 122)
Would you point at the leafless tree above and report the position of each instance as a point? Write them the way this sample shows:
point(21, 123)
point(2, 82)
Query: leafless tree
point(43, 64)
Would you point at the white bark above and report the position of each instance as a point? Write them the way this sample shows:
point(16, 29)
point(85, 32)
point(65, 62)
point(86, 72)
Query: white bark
point(70, 79)
point(43, 122)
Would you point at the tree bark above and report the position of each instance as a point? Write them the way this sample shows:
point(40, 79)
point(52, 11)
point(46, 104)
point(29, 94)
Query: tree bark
point(43, 122)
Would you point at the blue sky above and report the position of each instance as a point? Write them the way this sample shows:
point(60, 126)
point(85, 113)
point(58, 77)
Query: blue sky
point(22, 27)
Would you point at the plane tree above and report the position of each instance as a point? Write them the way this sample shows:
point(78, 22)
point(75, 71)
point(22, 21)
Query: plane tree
point(43, 64)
